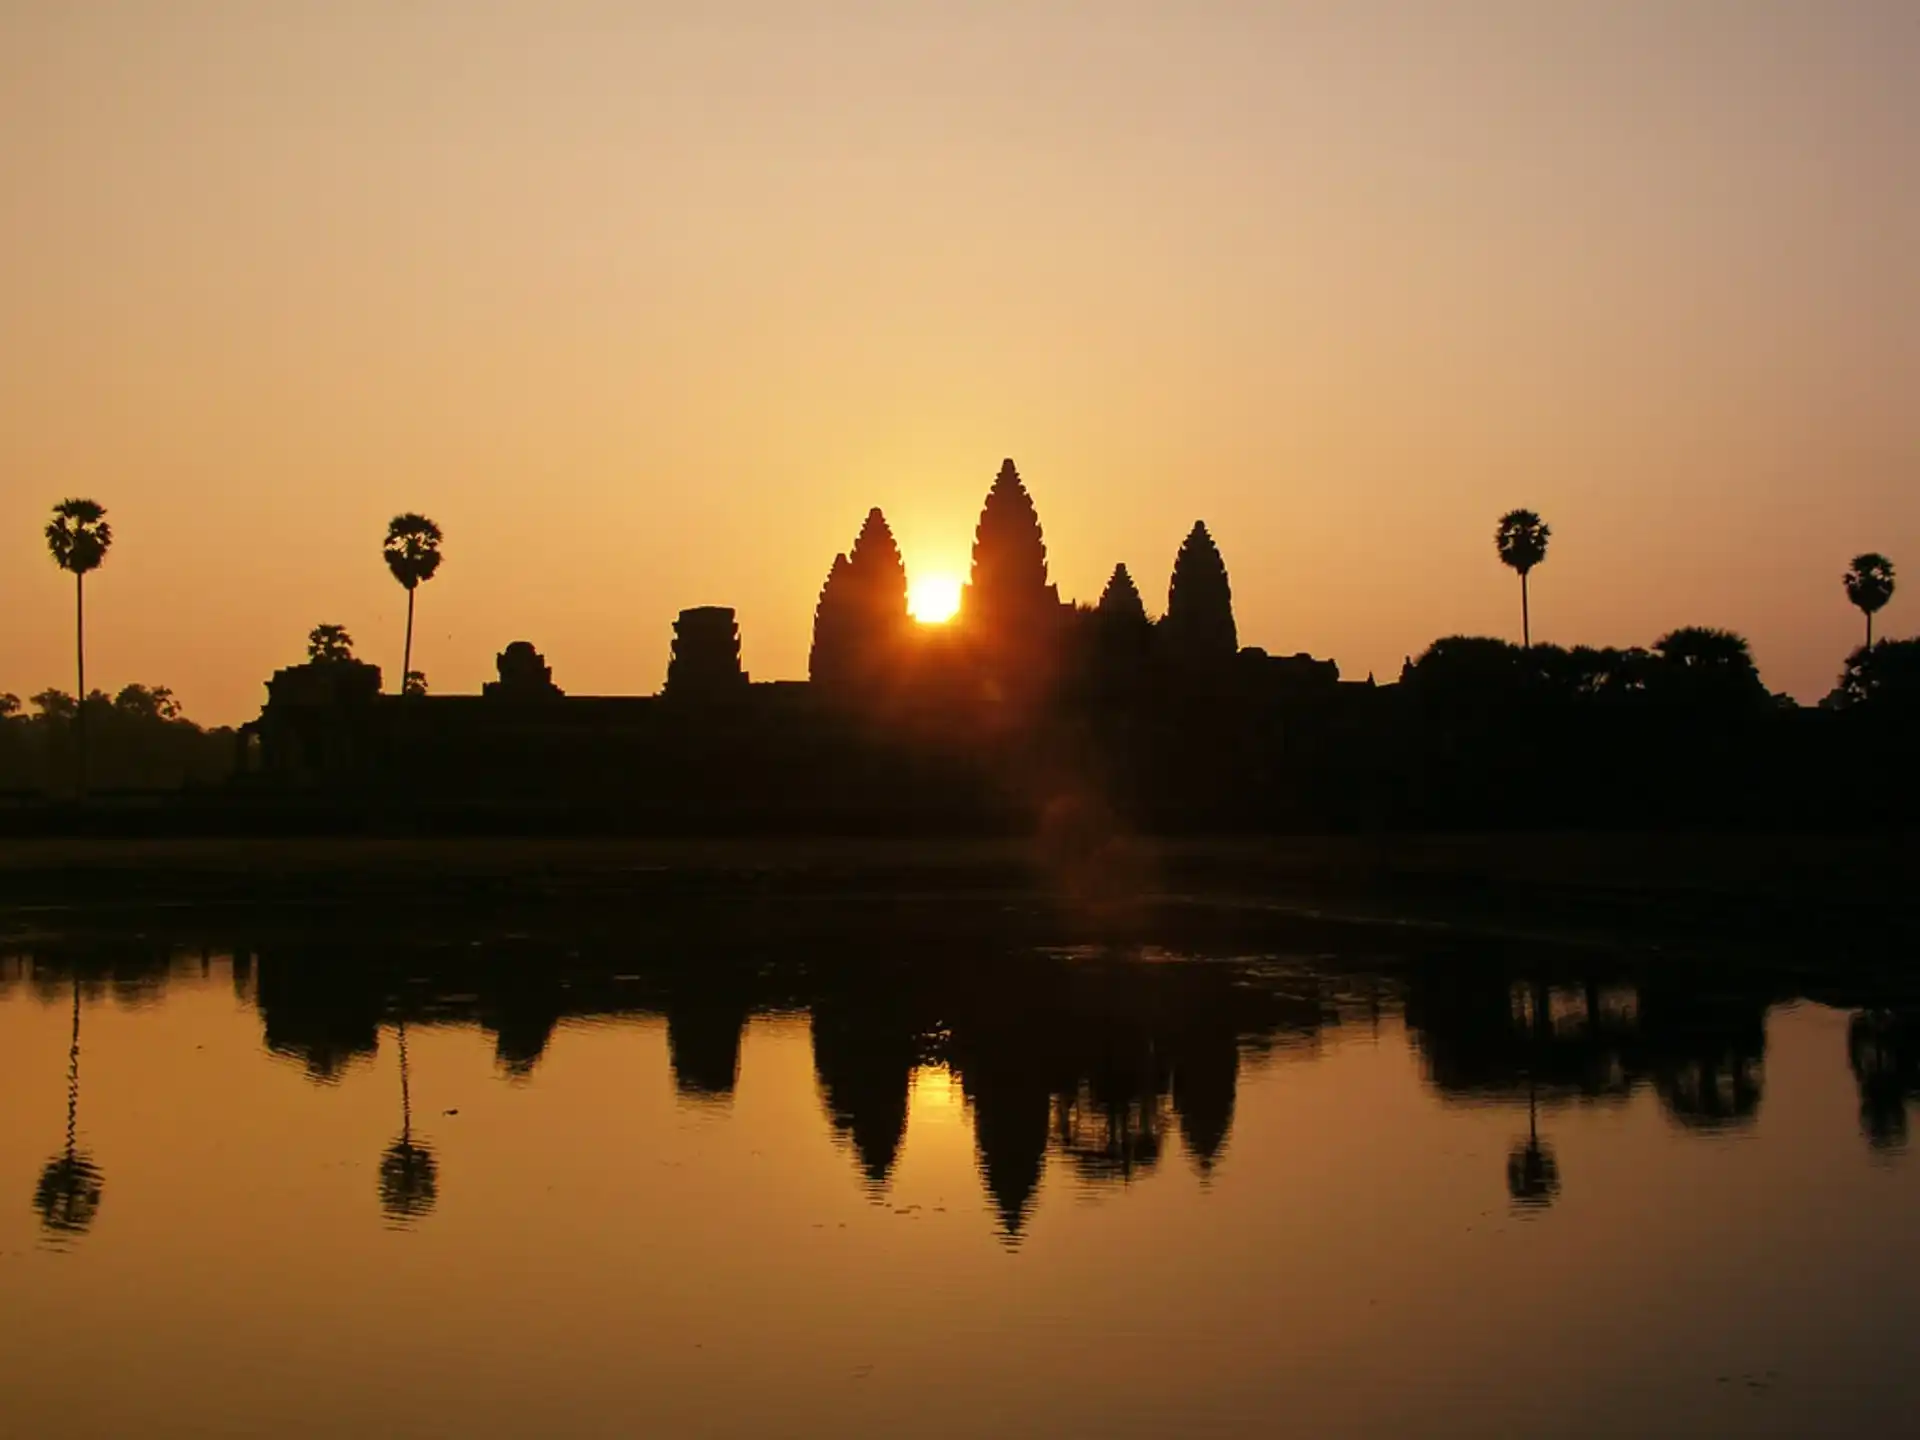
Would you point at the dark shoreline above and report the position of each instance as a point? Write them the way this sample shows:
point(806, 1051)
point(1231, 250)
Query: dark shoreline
point(1806, 901)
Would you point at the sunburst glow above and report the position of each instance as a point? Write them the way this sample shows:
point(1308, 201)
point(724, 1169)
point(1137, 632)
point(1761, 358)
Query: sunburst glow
point(934, 599)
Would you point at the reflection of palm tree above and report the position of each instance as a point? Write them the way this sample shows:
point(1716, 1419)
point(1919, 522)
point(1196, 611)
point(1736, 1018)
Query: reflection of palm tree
point(68, 1194)
point(409, 1176)
point(1533, 1175)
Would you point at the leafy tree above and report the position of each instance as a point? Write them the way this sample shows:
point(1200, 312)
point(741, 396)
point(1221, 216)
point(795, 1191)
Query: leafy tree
point(1884, 676)
point(329, 645)
point(1869, 582)
point(1199, 619)
point(1603, 673)
point(1521, 540)
point(55, 705)
point(1465, 668)
point(416, 683)
point(1700, 664)
point(9, 706)
point(143, 702)
point(412, 552)
point(78, 538)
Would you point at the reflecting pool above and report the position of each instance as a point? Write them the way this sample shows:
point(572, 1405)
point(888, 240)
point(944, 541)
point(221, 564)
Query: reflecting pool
point(920, 1180)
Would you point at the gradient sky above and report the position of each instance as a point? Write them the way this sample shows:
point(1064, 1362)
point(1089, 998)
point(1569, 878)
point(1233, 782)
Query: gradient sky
point(647, 303)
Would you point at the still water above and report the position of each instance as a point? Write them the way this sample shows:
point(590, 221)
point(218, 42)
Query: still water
point(506, 1185)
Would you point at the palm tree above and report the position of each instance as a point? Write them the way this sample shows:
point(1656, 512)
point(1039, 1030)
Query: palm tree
point(413, 555)
point(1521, 539)
point(409, 1175)
point(68, 1195)
point(1869, 582)
point(78, 537)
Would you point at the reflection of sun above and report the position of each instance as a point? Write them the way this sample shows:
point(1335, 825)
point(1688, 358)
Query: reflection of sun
point(934, 599)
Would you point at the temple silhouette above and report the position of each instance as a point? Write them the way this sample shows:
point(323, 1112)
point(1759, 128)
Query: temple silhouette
point(1087, 1062)
point(984, 722)
point(1029, 713)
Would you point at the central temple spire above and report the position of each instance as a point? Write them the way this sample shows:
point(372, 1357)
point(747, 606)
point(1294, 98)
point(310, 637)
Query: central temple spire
point(1009, 580)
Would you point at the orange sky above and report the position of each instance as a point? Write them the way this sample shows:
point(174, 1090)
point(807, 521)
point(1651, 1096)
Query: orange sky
point(646, 304)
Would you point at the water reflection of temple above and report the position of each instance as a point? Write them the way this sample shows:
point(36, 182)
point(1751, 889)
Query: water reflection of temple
point(1095, 1058)
point(1100, 1063)
point(1485, 1032)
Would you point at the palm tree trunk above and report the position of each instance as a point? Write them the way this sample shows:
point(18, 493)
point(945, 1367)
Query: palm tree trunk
point(73, 1077)
point(1869, 629)
point(1526, 615)
point(406, 1092)
point(80, 699)
point(406, 661)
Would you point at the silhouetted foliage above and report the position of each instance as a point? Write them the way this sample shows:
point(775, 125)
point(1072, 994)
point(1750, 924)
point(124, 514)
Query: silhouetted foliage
point(412, 551)
point(329, 645)
point(1705, 667)
point(416, 683)
point(1883, 677)
point(78, 536)
point(1869, 583)
point(1199, 620)
point(1521, 542)
point(138, 739)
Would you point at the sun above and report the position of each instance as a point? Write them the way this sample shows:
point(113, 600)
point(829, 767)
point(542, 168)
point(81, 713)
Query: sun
point(934, 599)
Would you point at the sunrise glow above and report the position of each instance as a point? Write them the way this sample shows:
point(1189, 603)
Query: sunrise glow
point(934, 599)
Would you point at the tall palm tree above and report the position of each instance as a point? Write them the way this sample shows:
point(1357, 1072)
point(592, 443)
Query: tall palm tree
point(409, 1175)
point(68, 1195)
point(1521, 538)
point(1869, 582)
point(413, 555)
point(78, 537)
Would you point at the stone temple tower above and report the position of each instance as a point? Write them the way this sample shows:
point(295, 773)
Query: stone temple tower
point(706, 656)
